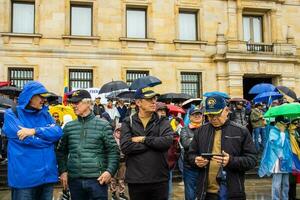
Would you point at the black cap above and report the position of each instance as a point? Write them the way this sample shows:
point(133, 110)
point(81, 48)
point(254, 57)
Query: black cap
point(282, 119)
point(78, 95)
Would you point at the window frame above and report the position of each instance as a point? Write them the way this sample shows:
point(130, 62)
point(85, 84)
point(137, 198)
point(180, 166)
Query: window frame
point(145, 9)
point(20, 69)
point(80, 70)
point(12, 14)
point(146, 72)
point(199, 82)
point(251, 27)
point(84, 5)
point(196, 14)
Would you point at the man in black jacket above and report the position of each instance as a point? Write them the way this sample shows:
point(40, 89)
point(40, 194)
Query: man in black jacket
point(145, 140)
point(221, 136)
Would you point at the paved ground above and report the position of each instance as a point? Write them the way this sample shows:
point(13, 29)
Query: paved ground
point(256, 189)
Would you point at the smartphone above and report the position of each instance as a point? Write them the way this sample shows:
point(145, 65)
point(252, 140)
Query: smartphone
point(209, 156)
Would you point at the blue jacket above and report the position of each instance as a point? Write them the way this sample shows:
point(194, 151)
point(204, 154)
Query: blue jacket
point(273, 151)
point(31, 162)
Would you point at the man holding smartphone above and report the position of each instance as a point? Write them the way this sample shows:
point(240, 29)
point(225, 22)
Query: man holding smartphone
point(221, 136)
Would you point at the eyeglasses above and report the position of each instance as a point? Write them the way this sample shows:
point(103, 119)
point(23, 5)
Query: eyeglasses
point(214, 115)
point(56, 116)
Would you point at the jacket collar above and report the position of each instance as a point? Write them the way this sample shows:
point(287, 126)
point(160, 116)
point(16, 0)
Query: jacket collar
point(87, 118)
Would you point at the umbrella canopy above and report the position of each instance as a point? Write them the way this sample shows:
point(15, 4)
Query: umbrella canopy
point(174, 97)
point(126, 95)
point(189, 102)
point(287, 91)
point(175, 109)
point(6, 102)
point(62, 110)
point(216, 93)
point(113, 86)
point(291, 110)
point(262, 87)
point(145, 81)
point(267, 97)
point(10, 90)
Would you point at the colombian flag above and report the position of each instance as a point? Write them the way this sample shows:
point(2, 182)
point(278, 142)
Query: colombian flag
point(66, 90)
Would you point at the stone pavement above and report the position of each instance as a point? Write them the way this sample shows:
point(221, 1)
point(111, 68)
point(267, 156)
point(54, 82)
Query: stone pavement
point(256, 189)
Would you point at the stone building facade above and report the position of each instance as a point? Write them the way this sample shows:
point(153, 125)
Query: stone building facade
point(193, 46)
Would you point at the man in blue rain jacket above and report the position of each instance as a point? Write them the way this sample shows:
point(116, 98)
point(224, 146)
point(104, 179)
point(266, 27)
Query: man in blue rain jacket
point(31, 133)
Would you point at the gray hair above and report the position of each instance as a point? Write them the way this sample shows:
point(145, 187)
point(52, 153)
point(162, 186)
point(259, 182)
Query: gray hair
point(88, 101)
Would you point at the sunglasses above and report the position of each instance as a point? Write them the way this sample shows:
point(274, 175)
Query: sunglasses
point(56, 116)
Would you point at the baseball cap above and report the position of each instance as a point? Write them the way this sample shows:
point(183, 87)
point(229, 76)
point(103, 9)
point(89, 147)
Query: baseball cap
point(78, 95)
point(195, 110)
point(281, 119)
point(214, 105)
point(145, 93)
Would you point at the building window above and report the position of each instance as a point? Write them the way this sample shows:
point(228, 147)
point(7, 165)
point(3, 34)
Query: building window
point(22, 17)
point(81, 20)
point(132, 75)
point(20, 76)
point(136, 23)
point(188, 25)
point(191, 83)
point(253, 29)
point(80, 78)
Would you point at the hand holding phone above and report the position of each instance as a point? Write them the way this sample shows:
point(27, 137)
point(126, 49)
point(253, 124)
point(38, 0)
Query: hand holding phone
point(209, 156)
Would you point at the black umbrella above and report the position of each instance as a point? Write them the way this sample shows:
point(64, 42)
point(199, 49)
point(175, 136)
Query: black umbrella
point(6, 102)
point(174, 97)
point(113, 86)
point(126, 95)
point(146, 81)
point(10, 90)
point(287, 91)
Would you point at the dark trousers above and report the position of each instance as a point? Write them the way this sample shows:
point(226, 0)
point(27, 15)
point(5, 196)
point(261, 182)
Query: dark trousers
point(87, 189)
point(149, 191)
point(210, 196)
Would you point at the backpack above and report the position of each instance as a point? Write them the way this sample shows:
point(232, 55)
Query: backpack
point(173, 152)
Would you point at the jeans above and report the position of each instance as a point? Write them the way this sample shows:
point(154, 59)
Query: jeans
point(280, 186)
point(190, 177)
point(41, 192)
point(87, 188)
point(170, 184)
point(260, 131)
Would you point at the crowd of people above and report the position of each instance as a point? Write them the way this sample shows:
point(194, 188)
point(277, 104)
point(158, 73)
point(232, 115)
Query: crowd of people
point(137, 145)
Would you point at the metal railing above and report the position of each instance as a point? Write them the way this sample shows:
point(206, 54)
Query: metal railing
point(260, 47)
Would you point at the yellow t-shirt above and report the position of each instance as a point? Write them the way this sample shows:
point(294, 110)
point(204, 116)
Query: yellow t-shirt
point(213, 186)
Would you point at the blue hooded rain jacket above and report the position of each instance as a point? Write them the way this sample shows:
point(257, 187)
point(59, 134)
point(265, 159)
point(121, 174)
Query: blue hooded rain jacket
point(32, 161)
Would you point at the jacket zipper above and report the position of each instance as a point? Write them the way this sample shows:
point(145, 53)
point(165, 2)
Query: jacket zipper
point(82, 135)
point(206, 172)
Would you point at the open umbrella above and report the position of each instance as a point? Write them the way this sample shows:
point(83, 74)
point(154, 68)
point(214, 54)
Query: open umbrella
point(6, 102)
point(287, 91)
point(175, 109)
point(189, 102)
point(216, 93)
point(267, 97)
point(126, 95)
point(174, 97)
point(10, 90)
point(291, 110)
point(113, 86)
point(262, 87)
point(145, 81)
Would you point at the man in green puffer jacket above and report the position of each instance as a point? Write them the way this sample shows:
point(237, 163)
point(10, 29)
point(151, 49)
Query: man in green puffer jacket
point(88, 155)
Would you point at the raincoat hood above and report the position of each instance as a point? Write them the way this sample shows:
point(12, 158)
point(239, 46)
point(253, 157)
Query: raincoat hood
point(30, 89)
